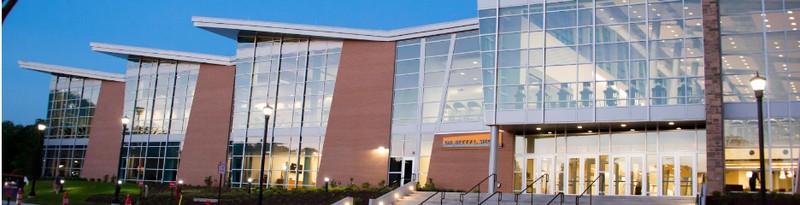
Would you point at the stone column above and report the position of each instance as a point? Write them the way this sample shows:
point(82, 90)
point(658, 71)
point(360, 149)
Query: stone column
point(715, 149)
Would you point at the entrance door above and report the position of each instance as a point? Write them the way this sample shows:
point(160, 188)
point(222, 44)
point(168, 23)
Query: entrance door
point(628, 175)
point(678, 173)
point(582, 170)
point(401, 168)
point(536, 167)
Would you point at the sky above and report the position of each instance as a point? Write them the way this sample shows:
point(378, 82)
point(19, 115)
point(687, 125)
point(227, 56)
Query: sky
point(59, 32)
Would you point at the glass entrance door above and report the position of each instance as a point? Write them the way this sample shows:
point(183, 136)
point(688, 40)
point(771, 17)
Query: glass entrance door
point(401, 168)
point(537, 167)
point(628, 173)
point(582, 170)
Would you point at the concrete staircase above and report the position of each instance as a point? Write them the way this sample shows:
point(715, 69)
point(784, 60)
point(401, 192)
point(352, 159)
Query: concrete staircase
point(451, 198)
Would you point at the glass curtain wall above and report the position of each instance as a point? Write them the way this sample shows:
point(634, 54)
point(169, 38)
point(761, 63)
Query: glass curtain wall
point(295, 76)
point(761, 36)
point(583, 54)
point(658, 161)
point(437, 80)
point(158, 100)
point(69, 116)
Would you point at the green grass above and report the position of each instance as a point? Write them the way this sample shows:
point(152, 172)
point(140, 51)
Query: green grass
point(78, 191)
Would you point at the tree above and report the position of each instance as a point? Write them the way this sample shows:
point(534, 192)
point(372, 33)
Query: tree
point(22, 148)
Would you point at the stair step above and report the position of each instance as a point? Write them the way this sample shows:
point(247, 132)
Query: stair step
point(508, 198)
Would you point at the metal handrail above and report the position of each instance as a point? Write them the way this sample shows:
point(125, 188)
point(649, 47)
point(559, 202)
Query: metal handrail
point(546, 179)
point(556, 196)
point(461, 197)
point(441, 201)
point(499, 198)
point(577, 198)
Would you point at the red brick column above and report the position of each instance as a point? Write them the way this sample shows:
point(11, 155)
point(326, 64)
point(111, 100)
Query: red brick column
point(102, 153)
point(715, 148)
point(206, 140)
point(361, 115)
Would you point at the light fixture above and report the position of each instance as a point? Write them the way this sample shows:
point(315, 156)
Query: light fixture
point(580, 127)
point(789, 174)
point(783, 175)
point(590, 131)
point(267, 110)
point(249, 180)
point(749, 174)
point(381, 148)
point(679, 128)
point(623, 125)
point(119, 181)
point(633, 130)
point(671, 123)
point(538, 128)
point(180, 181)
point(327, 179)
point(62, 181)
point(125, 120)
point(758, 83)
point(41, 126)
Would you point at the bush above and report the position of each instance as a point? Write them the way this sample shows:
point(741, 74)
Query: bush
point(366, 186)
point(105, 178)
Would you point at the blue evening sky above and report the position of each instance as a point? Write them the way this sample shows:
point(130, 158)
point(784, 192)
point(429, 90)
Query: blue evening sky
point(59, 32)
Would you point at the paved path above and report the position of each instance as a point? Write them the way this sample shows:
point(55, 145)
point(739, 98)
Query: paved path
point(15, 202)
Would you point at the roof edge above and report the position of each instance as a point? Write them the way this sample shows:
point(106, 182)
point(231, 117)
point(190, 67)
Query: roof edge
point(161, 53)
point(336, 32)
point(64, 70)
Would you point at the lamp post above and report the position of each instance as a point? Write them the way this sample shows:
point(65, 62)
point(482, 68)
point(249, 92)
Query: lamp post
point(61, 188)
point(759, 83)
point(125, 120)
point(41, 128)
point(249, 182)
point(326, 183)
point(267, 112)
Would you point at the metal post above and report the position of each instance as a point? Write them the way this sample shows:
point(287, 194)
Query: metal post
point(116, 200)
point(493, 158)
point(219, 191)
point(263, 150)
point(763, 190)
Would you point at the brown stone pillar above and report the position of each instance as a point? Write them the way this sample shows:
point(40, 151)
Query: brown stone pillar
point(715, 148)
point(206, 142)
point(102, 153)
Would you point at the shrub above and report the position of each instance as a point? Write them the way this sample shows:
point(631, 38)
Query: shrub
point(382, 183)
point(366, 186)
point(105, 178)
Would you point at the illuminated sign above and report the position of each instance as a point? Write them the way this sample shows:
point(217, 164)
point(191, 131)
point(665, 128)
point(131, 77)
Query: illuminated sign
point(468, 141)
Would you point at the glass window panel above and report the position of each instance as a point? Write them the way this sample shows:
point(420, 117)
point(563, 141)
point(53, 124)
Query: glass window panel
point(437, 48)
point(466, 45)
point(560, 95)
point(512, 76)
point(433, 94)
point(403, 67)
point(512, 58)
point(406, 81)
point(433, 79)
point(465, 76)
point(513, 23)
point(405, 96)
point(407, 52)
point(667, 48)
point(561, 37)
point(435, 63)
point(513, 41)
point(564, 55)
point(561, 19)
point(466, 60)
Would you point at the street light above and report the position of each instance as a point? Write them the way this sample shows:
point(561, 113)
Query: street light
point(759, 83)
point(267, 112)
point(249, 182)
point(125, 120)
point(326, 183)
point(41, 128)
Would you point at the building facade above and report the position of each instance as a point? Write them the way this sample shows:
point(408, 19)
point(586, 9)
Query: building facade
point(651, 96)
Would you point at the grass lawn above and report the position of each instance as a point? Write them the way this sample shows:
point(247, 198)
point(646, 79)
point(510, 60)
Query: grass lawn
point(78, 191)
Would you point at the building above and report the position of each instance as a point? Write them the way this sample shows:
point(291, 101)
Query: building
point(654, 96)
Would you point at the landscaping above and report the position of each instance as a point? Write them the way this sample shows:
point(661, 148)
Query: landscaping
point(99, 192)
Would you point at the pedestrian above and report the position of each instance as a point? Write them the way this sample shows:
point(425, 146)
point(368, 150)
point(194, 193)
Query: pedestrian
point(57, 184)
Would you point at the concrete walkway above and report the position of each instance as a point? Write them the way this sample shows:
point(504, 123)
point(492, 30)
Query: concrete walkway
point(15, 202)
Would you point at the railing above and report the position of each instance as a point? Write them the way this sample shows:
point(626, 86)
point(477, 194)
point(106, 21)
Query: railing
point(601, 177)
point(391, 184)
point(441, 200)
point(546, 180)
point(556, 196)
point(499, 198)
point(478, 186)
